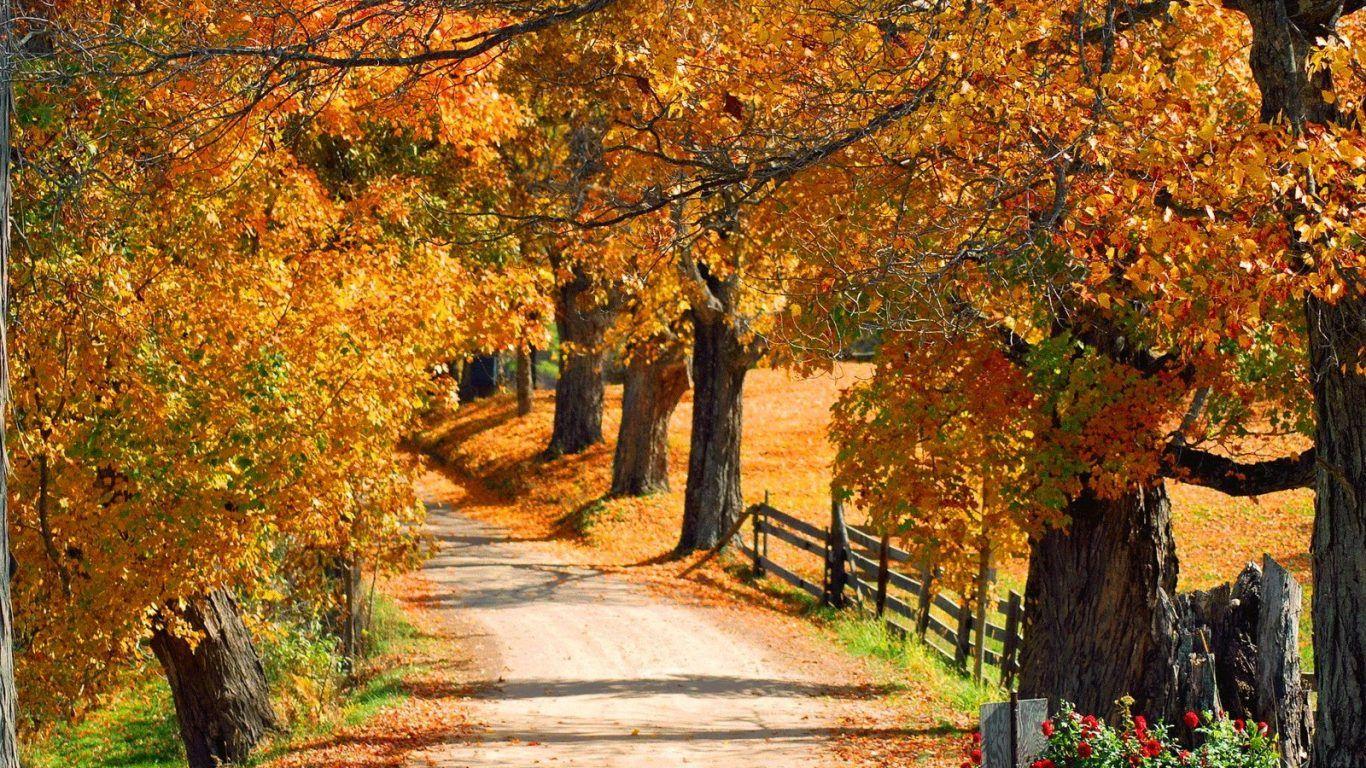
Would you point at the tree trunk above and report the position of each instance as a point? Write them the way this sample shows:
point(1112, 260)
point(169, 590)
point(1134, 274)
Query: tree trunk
point(352, 617)
point(712, 501)
point(9, 749)
point(1099, 618)
point(217, 681)
point(655, 381)
point(525, 383)
point(1337, 333)
point(479, 378)
point(1285, 37)
point(578, 395)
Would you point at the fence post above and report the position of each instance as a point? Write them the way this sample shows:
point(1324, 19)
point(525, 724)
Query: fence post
point(837, 555)
point(963, 648)
point(883, 573)
point(766, 525)
point(758, 522)
point(1281, 694)
point(1010, 660)
point(922, 619)
point(983, 598)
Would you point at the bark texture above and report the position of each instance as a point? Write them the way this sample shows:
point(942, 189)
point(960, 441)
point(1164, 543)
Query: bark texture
point(9, 750)
point(526, 383)
point(578, 395)
point(712, 501)
point(1251, 629)
point(1282, 700)
point(1100, 622)
point(656, 378)
point(1337, 334)
point(217, 681)
point(351, 621)
point(1285, 35)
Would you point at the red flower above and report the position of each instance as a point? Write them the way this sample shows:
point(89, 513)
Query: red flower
point(1262, 728)
point(1089, 725)
point(1048, 727)
point(1185, 756)
point(966, 764)
point(1043, 762)
point(1192, 720)
point(977, 755)
point(1084, 749)
point(1140, 724)
point(1239, 725)
point(1152, 747)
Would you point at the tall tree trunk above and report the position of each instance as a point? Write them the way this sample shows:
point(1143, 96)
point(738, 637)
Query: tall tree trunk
point(655, 381)
point(217, 681)
point(712, 501)
point(1100, 622)
point(1285, 37)
point(1337, 344)
point(9, 749)
point(525, 380)
point(578, 395)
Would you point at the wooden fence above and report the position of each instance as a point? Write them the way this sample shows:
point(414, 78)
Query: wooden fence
point(863, 568)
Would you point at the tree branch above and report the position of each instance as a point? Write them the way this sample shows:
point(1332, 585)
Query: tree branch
point(1197, 467)
point(304, 53)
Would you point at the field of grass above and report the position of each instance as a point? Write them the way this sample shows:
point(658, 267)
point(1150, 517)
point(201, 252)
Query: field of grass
point(786, 457)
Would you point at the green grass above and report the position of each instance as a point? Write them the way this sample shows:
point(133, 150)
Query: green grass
point(135, 726)
point(907, 662)
point(911, 660)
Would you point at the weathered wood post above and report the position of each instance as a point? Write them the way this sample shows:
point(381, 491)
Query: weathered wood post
point(984, 579)
point(837, 553)
point(767, 524)
point(963, 647)
point(1281, 697)
point(757, 521)
point(1012, 732)
point(1014, 728)
point(1010, 653)
point(883, 573)
point(922, 616)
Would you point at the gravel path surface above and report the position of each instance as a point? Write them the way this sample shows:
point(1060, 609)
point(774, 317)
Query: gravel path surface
point(585, 668)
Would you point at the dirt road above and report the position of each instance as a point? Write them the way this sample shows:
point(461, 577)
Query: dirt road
point(589, 669)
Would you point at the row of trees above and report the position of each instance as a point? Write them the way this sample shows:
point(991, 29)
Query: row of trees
point(1095, 244)
point(1103, 245)
point(227, 292)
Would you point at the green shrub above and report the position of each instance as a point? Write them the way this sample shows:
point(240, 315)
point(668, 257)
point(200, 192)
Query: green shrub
point(305, 669)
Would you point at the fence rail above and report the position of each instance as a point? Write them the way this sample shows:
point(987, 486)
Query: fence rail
point(861, 567)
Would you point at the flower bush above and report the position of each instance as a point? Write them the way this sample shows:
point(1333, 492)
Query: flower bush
point(1085, 741)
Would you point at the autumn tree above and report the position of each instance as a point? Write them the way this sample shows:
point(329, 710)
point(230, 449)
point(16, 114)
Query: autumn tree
point(653, 334)
point(698, 129)
point(222, 334)
point(1044, 215)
